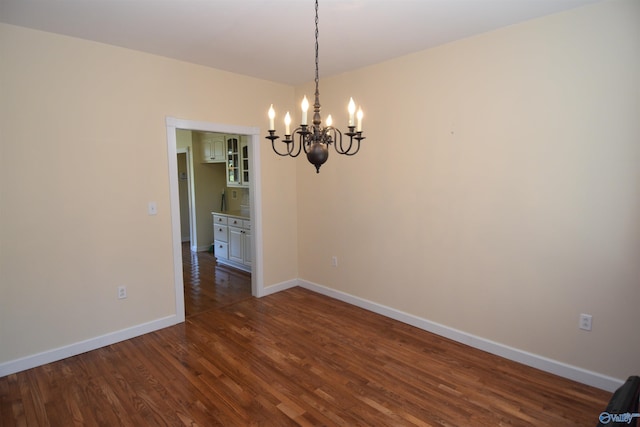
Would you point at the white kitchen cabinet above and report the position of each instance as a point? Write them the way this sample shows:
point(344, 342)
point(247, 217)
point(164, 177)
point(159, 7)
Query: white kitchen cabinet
point(248, 244)
point(232, 241)
point(220, 237)
point(212, 148)
point(236, 244)
point(221, 250)
point(240, 241)
point(237, 161)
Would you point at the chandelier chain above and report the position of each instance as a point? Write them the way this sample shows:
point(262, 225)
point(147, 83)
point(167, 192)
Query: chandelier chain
point(317, 78)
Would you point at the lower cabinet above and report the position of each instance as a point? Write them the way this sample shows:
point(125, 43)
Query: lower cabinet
point(232, 241)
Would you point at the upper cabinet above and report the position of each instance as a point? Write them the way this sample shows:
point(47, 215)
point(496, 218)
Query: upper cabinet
point(212, 148)
point(244, 153)
point(238, 174)
point(232, 150)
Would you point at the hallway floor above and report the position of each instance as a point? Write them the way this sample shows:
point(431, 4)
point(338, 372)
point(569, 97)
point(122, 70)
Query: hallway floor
point(209, 285)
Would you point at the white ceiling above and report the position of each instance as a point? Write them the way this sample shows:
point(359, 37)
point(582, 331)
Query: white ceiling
point(274, 39)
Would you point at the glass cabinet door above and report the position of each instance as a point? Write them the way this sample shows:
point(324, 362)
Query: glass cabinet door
point(233, 161)
point(245, 162)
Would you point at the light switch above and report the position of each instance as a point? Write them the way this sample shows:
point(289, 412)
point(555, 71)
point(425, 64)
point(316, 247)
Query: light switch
point(153, 208)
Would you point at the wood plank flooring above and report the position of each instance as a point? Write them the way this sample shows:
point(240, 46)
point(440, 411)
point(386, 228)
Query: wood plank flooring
point(292, 358)
point(209, 285)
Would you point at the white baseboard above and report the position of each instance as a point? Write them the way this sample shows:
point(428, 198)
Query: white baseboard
point(545, 364)
point(279, 287)
point(231, 263)
point(74, 349)
point(536, 361)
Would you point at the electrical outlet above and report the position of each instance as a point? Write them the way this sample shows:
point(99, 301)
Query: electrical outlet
point(334, 261)
point(122, 292)
point(585, 322)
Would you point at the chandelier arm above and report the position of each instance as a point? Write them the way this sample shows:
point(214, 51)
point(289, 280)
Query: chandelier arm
point(304, 143)
point(349, 153)
point(340, 149)
point(290, 149)
point(358, 137)
point(299, 131)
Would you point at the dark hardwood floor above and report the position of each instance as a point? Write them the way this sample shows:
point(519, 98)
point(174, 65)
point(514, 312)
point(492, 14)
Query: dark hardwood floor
point(292, 358)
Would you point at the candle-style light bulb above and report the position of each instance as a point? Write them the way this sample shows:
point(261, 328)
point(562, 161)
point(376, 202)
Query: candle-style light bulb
point(272, 116)
point(360, 114)
point(329, 121)
point(305, 108)
point(352, 110)
point(287, 123)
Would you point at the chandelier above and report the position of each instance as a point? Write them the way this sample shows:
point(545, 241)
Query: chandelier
point(316, 139)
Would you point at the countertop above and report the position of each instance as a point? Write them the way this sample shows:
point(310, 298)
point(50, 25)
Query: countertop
point(242, 214)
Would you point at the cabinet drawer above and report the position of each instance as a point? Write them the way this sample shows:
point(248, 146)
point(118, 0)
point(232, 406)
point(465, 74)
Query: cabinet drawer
point(220, 219)
point(220, 233)
point(237, 222)
point(246, 224)
point(221, 249)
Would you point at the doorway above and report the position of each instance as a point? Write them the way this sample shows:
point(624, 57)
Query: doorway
point(253, 138)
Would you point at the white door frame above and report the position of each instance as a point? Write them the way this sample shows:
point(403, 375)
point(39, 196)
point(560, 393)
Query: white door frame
point(255, 195)
point(190, 197)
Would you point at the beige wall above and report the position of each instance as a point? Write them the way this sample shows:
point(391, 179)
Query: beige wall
point(83, 150)
point(498, 189)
